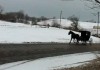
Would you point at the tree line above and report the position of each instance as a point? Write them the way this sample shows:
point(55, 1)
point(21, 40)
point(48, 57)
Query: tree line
point(19, 16)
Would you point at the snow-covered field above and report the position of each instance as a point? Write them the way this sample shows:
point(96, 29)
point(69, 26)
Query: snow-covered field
point(51, 63)
point(21, 33)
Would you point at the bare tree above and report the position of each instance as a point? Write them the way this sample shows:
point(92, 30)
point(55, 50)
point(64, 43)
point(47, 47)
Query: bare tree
point(74, 21)
point(55, 23)
point(95, 4)
point(97, 1)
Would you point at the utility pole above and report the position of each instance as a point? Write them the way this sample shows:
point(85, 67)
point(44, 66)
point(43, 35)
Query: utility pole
point(98, 24)
point(97, 27)
point(60, 18)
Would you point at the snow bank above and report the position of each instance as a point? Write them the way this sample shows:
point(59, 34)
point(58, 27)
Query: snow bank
point(51, 63)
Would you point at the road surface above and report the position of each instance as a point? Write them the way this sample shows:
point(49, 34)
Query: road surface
point(19, 52)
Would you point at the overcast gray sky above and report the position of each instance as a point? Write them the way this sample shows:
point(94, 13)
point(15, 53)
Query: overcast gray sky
point(50, 8)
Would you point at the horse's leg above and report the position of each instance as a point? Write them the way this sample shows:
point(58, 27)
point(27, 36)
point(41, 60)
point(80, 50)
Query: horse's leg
point(73, 40)
point(70, 40)
point(77, 41)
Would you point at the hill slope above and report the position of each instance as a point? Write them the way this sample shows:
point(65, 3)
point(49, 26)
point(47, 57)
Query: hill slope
point(20, 33)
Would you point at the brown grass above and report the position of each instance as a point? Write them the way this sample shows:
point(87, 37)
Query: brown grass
point(93, 65)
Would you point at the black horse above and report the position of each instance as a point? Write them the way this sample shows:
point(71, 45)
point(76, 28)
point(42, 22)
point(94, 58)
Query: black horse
point(74, 36)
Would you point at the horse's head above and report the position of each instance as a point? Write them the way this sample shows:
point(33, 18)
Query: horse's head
point(70, 32)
